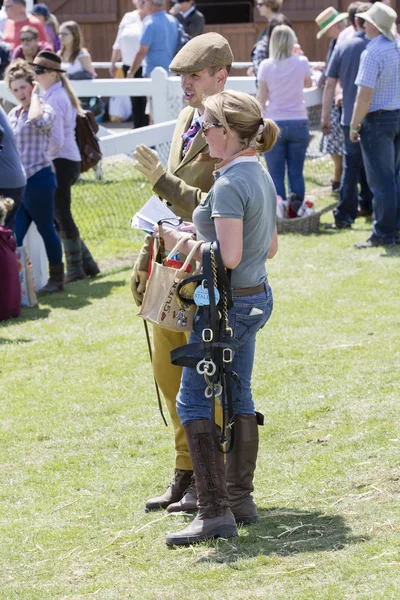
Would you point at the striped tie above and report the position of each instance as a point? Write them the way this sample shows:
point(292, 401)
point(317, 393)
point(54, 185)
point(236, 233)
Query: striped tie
point(189, 136)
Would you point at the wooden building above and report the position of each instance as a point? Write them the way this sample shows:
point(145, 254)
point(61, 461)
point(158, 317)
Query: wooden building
point(237, 20)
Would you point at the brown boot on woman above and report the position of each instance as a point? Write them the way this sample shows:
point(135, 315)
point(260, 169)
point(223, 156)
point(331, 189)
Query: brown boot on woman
point(240, 467)
point(214, 518)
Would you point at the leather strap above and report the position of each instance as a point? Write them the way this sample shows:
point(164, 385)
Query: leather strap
point(250, 291)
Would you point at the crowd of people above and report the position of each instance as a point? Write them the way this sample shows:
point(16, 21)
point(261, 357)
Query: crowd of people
point(213, 180)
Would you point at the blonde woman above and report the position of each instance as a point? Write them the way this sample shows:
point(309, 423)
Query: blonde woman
point(281, 80)
point(66, 158)
point(77, 60)
point(239, 212)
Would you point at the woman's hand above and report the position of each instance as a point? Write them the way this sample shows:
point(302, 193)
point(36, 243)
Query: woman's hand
point(188, 227)
point(171, 236)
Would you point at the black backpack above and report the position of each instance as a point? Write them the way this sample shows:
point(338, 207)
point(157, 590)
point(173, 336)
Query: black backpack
point(87, 140)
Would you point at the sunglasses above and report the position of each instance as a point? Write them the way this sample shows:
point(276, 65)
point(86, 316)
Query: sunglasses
point(64, 33)
point(206, 125)
point(259, 3)
point(27, 39)
point(39, 70)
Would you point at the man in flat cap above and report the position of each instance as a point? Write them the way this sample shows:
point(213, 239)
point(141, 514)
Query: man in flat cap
point(203, 64)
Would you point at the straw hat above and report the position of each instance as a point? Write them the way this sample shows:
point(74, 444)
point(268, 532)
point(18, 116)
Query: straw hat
point(48, 60)
point(327, 19)
point(383, 17)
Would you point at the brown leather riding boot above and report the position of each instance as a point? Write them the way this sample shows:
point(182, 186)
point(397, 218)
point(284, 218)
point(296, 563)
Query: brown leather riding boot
point(188, 502)
point(174, 492)
point(214, 518)
point(240, 467)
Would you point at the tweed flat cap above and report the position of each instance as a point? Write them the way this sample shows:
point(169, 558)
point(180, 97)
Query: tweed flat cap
point(202, 52)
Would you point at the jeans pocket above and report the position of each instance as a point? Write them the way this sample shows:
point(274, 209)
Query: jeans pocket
point(246, 325)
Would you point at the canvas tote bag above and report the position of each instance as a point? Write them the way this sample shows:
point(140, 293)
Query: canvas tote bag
point(161, 304)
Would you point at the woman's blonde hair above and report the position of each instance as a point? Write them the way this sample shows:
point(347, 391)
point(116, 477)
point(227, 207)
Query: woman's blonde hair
point(6, 204)
point(19, 69)
point(70, 92)
point(274, 5)
point(77, 43)
point(242, 114)
point(282, 42)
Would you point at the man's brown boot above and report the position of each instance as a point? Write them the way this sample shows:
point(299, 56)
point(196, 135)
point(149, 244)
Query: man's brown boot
point(240, 467)
point(174, 493)
point(188, 502)
point(214, 518)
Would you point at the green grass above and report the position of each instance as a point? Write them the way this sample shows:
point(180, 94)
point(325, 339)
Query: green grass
point(83, 446)
point(103, 209)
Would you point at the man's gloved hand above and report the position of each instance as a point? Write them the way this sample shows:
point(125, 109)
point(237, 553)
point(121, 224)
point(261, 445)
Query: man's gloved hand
point(138, 285)
point(148, 163)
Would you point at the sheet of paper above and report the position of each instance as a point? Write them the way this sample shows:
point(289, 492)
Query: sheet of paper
point(153, 211)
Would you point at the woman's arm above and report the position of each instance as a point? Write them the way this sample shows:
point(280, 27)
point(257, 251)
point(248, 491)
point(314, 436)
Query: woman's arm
point(35, 109)
point(230, 236)
point(115, 57)
point(262, 93)
point(308, 81)
point(86, 62)
point(273, 247)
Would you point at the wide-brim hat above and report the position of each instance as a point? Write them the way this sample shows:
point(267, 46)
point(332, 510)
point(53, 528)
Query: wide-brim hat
point(383, 17)
point(329, 17)
point(202, 52)
point(48, 60)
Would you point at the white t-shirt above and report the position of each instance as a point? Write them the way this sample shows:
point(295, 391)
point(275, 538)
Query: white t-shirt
point(76, 66)
point(128, 37)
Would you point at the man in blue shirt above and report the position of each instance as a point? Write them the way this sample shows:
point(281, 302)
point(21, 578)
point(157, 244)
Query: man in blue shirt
point(376, 122)
point(159, 41)
point(343, 66)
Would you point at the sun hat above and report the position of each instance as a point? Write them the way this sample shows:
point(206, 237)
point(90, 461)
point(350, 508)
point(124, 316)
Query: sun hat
point(202, 52)
point(329, 17)
point(383, 17)
point(48, 60)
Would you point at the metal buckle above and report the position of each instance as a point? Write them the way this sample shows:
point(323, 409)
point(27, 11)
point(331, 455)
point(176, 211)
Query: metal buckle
point(229, 352)
point(211, 335)
point(206, 367)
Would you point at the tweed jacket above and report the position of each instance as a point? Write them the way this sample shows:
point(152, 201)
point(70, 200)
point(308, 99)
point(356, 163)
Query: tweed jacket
point(193, 24)
point(187, 180)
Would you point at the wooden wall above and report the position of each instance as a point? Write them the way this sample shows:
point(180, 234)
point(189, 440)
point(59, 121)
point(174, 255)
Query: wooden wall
point(100, 18)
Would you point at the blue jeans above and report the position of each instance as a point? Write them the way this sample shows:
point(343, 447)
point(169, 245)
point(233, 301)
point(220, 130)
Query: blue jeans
point(353, 173)
point(38, 206)
point(289, 150)
point(380, 146)
point(191, 402)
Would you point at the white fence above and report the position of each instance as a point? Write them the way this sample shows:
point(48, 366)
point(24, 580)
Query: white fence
point(165, 92)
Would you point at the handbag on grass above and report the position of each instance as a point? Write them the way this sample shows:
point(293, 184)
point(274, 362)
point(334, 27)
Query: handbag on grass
point(161, 304)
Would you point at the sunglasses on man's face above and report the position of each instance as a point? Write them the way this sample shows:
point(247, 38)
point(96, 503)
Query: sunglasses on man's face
point(206, 125)
point(27, 39)
point(39, 70)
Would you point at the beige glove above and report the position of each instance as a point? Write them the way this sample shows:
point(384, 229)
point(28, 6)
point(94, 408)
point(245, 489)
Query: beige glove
point(148, 163)
point(138, 285)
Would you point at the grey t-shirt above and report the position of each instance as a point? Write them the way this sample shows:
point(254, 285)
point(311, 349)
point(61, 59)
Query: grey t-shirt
point(12, 174)
point(243, 191)
point(343, 65)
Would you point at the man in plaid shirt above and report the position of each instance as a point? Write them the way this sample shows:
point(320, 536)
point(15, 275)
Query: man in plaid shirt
point(376, 122)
